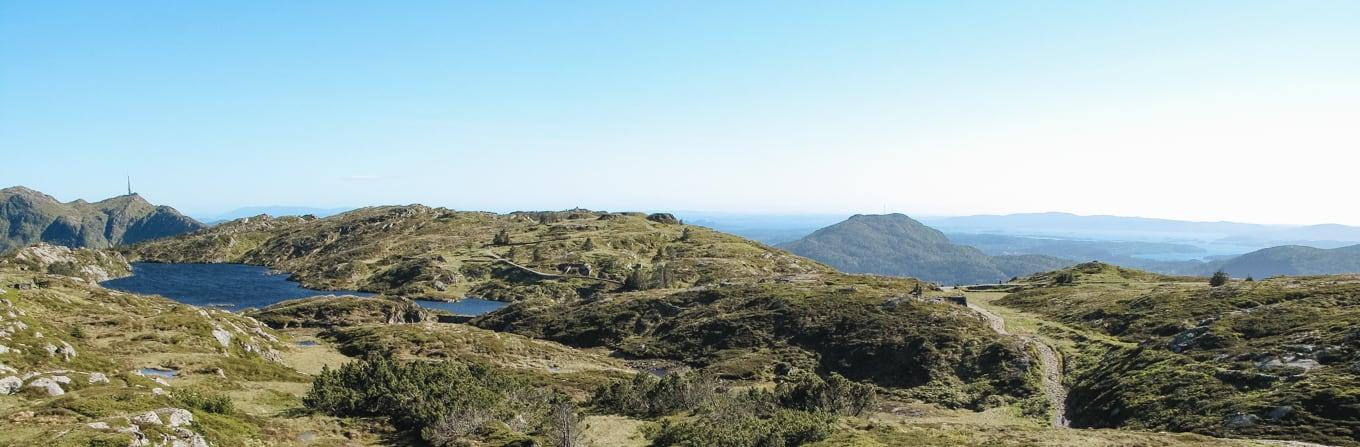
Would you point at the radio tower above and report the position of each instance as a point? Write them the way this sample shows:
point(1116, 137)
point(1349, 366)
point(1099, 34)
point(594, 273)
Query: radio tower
point(129, 185)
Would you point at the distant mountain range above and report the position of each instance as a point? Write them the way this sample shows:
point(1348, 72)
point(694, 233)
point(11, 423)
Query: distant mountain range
point(1149, 229)
point(28, 216)
point(897, 245)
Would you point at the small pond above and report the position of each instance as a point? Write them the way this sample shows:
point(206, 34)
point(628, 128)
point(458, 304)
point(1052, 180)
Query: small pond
point(467, 306)
point(238, 286)
point(166, 373)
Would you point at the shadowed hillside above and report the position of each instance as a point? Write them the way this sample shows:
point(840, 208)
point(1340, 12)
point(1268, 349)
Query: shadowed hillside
point(28, 216)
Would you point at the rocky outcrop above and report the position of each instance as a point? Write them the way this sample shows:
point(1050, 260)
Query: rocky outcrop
point(10, 385)
point(665, 218)
point(90, 265)
point(336, 311)
point(50, 386)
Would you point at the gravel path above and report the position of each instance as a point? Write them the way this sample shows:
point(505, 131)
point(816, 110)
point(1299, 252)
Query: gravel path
point(1048, 359)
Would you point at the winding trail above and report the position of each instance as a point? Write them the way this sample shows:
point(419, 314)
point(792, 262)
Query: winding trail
point(497, 258)
point(1048, 359)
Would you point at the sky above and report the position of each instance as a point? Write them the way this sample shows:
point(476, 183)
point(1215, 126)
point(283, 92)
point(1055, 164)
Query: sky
point(1207, 110)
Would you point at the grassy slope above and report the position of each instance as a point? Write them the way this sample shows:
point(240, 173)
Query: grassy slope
point(115, 334)
point(1266, 359)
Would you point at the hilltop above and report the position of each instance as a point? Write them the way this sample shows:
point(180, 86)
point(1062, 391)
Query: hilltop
point(1291, 260)
point(418, 251)
point(28, 217)
point(894, 244)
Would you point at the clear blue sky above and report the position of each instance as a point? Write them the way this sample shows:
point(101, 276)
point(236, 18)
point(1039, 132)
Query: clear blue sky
point(1206, 110)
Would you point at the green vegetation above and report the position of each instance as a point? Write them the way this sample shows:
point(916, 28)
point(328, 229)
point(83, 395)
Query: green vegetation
point(335, 311)
point(1263, 359)
point(861, 327)
point(446, 402)
point(895, 244)
point(417, 251)
point(1220, 278)
point(801, 409)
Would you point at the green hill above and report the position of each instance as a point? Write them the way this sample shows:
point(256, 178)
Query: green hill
point(28, 217)
point(420, 251)
point(897, 245)
point(1292, 260)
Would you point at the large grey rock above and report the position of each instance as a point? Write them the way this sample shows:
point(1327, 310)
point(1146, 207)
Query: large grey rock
point(148, 418)
point(176, 417)
point(223, 337)
point(47, 385)
point(98, 378)
point(10, 385)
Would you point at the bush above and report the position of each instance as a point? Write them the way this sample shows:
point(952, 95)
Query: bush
point(1219, 278)
point(836, 395)
point(63, 269)
point(205, 401)
point(648, 396)
point(785, 428)
point(444, 401)
point(501, 238)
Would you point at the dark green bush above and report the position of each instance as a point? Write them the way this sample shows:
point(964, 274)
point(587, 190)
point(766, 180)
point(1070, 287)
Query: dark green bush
point(785, 428)
point(443, 401)
point(648, 396)
point(835, 395)
point(205, 401)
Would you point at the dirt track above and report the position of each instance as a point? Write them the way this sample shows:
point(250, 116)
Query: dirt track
point(1049, 361)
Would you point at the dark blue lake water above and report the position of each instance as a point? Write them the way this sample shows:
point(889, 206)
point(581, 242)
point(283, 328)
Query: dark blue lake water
point(466, 306)
point(239, 286)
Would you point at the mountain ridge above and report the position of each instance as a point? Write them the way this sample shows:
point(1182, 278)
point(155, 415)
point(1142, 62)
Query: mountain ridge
point(28, 216)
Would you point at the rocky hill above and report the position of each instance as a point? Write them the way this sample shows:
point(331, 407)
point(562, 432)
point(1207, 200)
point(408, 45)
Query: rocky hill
point(1271, 359)
point(28, 217)
point(418, 251)
point(894, 244)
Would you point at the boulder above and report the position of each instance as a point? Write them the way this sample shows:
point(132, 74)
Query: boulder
point(1241, 420)
point(47, 385)
point(98, 378)
point(176, 417)
point(148, 418)
point(665, 218)
point(10, 385)
point(223, 337)
point(187, 438)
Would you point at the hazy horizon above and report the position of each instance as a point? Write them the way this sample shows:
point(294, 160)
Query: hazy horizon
point(1204, 111)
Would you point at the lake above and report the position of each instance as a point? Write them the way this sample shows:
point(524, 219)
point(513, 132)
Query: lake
point(239, 286)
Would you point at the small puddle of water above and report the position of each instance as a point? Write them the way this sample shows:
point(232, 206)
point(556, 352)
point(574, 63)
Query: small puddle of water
point(166, 373)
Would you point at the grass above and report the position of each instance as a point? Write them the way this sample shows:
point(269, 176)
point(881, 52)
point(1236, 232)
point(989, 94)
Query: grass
point(1134, 337)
